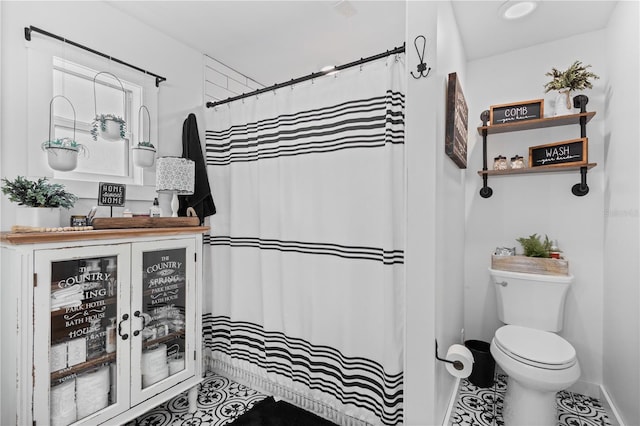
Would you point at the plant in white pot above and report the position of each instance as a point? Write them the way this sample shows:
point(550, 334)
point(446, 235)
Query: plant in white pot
point(62, 154)
point(576, 77)
point(42, 200)
point(144, 153)
point(110, 127)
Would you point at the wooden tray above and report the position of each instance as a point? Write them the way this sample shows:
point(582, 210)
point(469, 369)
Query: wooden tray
point(144, 222)
point(530, 265)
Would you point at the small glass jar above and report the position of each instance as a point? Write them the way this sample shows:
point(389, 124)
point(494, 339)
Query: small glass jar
point(500, 163)
point(517, 162)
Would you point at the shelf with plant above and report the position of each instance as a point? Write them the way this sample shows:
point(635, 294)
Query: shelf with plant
point(539, 257)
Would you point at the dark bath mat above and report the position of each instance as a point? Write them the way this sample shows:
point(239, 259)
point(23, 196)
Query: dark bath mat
point(268, 412)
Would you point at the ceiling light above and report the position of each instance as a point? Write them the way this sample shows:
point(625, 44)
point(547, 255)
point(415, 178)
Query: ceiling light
point(514, 9)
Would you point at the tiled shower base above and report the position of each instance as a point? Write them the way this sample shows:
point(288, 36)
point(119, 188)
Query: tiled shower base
point(483, 406)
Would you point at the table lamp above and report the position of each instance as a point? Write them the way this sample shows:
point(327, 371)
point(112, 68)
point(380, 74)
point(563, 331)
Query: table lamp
point(175, 175)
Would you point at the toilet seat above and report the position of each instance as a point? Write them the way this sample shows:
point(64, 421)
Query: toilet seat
point(536, 348)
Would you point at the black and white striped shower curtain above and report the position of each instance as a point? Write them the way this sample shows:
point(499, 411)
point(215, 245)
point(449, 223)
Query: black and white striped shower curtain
point(306, 252)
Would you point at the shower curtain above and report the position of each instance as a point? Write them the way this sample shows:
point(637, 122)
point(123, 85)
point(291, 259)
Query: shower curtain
point(305, 253)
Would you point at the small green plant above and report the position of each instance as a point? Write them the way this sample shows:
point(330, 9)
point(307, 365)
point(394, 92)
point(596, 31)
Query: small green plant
point(576, 77)
point(146, 144)
point(533, 246)
point(66, 143)
point(101, 121)
point(40, 193)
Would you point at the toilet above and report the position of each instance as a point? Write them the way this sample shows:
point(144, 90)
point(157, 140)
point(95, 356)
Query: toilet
point(539, 362)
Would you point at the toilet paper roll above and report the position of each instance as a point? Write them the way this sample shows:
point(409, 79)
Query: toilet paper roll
point(176, 363)
point(464, 356)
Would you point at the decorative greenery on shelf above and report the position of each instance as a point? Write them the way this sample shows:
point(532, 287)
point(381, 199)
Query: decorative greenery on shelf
point(145, 145)
point(533, 246)
point(40, 193)
point(100, 121)
point(576, 77)
point(66, 143)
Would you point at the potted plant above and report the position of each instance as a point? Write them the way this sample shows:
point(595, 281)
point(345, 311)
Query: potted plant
point(62, 154)
point(109, 126)
point(576, 77)
point(41, 200)
point(540, 257)
point(144, 153)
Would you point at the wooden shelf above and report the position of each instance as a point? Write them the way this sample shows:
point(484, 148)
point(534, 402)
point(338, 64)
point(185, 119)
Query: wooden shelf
point(176, 335)
point(539, 169)
point(101, 234)
point(539, 123)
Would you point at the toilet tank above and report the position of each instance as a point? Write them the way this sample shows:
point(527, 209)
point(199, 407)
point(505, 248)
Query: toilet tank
point(531, 300)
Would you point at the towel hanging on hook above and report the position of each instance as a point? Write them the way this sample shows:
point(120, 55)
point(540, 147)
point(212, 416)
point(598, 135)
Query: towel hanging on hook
point(422, 66)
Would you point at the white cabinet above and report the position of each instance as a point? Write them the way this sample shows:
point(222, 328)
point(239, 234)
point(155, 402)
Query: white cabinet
point(99, 331)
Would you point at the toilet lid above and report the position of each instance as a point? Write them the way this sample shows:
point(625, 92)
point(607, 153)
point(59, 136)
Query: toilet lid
point(537, 348)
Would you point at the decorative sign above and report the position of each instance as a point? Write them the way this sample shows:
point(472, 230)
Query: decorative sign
point(566, 153)
point(83, 295)
point(518, 111)
point(455, 144)
point(111, 194)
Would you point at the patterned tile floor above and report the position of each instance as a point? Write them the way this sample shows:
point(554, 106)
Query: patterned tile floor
point(220, 401)
point(483, 406)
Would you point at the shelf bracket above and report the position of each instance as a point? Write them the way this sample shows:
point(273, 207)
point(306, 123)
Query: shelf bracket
point(581, 189)
point(485, 191)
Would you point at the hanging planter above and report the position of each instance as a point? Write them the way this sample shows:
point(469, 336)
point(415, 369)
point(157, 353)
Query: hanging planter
point(110, 127)
point(144, 153)
point(62, 154)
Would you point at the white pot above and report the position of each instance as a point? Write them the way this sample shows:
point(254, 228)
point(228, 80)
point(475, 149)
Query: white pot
point(112, 130)
point(43, 217)
point(564, 103)
point(62, 159)
point(143, 156)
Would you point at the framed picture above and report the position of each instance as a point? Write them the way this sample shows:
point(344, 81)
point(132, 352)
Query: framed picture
point(457, 117)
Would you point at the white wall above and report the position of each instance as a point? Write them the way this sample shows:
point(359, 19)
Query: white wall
point(622, 215)
point(104, 28)
point(420, 252)
point(538, 203)
point(450, 199)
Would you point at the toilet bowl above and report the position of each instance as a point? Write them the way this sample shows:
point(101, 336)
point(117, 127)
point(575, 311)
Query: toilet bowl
point(539, 364)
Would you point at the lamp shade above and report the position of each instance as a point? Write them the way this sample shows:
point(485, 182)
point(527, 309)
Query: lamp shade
point(175, 174)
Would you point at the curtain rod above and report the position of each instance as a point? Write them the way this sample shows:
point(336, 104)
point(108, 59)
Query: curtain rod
point(309, 77)
point(27, 35)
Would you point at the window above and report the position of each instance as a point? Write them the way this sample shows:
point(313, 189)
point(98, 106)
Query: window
point(104, 160)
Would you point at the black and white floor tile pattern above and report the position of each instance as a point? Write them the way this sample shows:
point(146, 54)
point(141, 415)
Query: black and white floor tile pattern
point(220, 402)
point(477, 406)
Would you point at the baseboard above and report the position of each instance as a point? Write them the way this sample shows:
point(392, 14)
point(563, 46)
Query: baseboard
point(586, 388)
point(607, 403)
point(452, 403)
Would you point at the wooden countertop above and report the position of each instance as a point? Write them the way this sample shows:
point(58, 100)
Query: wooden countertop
point(99, 234)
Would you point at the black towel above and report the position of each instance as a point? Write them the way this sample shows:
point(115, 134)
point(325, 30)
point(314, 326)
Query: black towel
point(201, 199)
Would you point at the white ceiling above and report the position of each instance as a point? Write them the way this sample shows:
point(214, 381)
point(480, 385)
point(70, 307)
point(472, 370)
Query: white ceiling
point(274, 41)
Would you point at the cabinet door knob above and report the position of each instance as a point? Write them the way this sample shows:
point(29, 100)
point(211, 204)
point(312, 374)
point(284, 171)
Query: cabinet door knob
point(124, 336)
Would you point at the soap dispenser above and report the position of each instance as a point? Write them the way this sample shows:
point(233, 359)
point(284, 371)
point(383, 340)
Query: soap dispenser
point(155, 210)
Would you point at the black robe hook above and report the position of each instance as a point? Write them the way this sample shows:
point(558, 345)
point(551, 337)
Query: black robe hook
point(422, 66)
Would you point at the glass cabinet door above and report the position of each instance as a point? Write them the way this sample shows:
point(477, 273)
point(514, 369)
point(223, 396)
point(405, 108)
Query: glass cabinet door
point(80, 293)
point(163, 309)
